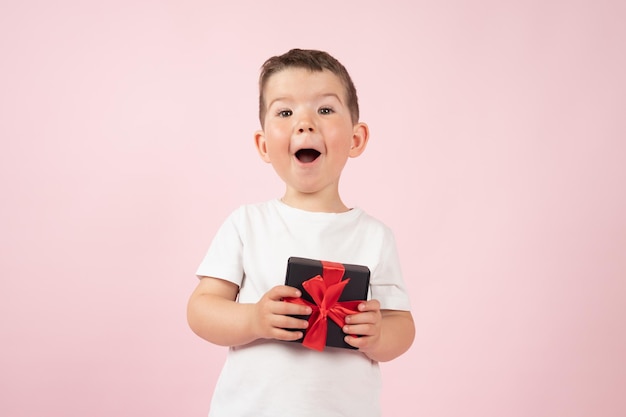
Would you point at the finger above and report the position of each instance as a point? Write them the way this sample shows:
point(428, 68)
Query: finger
point(359, 329)
point(287, 335)
point(291, 309)
point(282, 291)
point(357, 342)
point(361, 318)
point(286, 322)
point(283, 307)
point(370, 305)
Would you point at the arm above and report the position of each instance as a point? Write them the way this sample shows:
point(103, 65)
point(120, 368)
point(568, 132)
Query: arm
point(385, 334)
point(214, 315)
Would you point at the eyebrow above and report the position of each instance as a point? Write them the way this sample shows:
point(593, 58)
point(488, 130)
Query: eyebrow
point(284, 98)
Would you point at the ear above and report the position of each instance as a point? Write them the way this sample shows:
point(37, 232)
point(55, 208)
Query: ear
point(261, 145)
point(360, 136)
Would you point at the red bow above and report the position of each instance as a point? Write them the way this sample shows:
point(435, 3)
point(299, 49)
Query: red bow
point(325, 291)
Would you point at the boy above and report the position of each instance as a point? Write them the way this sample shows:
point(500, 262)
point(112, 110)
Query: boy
point(309, 116)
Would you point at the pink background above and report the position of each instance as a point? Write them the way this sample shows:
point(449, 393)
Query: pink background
point(497, 155)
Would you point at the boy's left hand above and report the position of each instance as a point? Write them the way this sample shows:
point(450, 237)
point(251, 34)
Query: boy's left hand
point(367, 324)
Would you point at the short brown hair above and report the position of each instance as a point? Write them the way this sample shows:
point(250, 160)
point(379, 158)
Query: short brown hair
point(312, 60)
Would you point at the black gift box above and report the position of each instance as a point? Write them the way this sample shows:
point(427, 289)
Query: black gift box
point(300, 270)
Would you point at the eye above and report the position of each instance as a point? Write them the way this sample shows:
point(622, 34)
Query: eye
point(325, 110)
point(284, 113)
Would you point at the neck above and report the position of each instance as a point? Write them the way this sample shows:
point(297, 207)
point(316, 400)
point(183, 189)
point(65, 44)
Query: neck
point(314, 202)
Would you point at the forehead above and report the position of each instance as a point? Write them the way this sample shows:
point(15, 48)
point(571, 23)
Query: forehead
point(302, 82)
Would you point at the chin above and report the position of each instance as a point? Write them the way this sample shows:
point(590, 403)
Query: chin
point(306, 190)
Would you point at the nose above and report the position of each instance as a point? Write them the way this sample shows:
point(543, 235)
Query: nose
point(305, 124)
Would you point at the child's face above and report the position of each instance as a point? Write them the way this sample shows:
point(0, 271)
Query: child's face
point(308, 132)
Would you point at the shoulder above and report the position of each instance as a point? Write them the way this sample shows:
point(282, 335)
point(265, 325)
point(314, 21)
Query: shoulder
point(252, 216)
point(373, 225)
point(253, 210)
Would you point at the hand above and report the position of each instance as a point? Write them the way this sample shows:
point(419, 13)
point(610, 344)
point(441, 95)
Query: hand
point(271, 315)
point(367, 324)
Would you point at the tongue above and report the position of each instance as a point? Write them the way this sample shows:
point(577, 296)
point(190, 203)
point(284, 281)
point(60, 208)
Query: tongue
point(307, 155)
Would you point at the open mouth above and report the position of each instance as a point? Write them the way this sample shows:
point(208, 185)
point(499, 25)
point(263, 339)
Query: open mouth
point(307, 155)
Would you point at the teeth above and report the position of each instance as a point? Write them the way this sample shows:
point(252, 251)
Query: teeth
point(307, 155)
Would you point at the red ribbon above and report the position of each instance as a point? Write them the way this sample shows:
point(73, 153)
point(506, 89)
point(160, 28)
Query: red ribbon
point(325, 291)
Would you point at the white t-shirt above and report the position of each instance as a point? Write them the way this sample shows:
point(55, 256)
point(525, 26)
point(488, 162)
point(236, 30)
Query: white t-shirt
point(273, 378)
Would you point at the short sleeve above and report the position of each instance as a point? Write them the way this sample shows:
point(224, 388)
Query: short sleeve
point(224, 257)
point(387, 285)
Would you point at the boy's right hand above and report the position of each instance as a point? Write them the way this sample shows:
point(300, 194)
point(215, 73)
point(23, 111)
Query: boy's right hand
point(271, 315)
